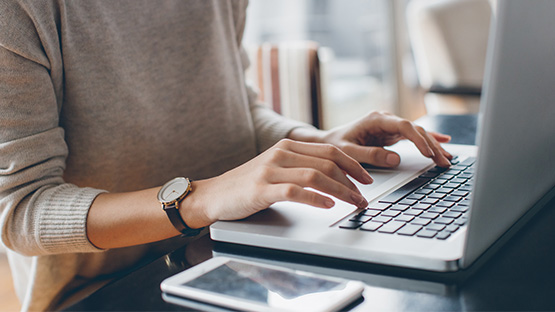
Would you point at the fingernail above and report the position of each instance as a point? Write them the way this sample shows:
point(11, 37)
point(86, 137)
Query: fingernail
point(392, 160)
point(366, 178)
point(431, 152)
point(359, 200)
point(329, 203)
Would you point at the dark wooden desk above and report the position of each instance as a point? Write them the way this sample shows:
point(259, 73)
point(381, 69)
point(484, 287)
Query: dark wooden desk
point(520, 276)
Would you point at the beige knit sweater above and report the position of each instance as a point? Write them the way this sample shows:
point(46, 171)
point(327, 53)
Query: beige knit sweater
point(92, 94)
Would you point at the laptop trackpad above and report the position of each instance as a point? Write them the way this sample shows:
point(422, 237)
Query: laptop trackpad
point(288, 214)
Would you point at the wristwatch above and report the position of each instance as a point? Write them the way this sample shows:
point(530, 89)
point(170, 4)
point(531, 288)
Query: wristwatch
point(170, 196)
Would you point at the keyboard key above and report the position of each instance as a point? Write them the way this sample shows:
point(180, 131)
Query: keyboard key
point(459, 208)
point(452, 228)
point(379, 206)
point(409, 230)
point(437, 195)
point(441, 180)
point(399, 207)
point(464, 202)
point(437, 210)
point(452, 198)
point(416, 196)
point(435, 227)
point(444, 220)
point(458, 180)
point(391, 227)
point(430, 201)
point(426, 233)
point(468, 161)
point(465, 187)
point(460, 221)
point(443, 235)
point(433, 186)
point(421, 206)
point(437, 169)
point(371, 213)
point(407, 202)
point(429, 215)
point(413, 212)
point(404, 190)
point(381, 219)
point(371, 226)
point(351, 225)
point(360, 218)
point(447, 176)
point(390, 213)
point(451, 185)
point(404, 218)
point(460, 193)
point(424, 191)
point(421, 221)
point(444, 190)
point(445, 204)
point(452, 214)
point(429, 175)
point(453, 171)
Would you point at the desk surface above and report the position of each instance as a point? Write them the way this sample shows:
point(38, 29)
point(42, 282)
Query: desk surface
point(520, 276)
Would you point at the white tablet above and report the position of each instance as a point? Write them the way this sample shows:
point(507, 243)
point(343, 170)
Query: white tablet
point(250, 286)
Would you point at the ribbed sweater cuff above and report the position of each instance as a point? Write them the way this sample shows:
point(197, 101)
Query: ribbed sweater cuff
point(273, 135)
point(280, 127)
point(61, 226)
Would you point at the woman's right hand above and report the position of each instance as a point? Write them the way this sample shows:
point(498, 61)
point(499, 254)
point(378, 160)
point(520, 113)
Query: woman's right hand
point(288, 171)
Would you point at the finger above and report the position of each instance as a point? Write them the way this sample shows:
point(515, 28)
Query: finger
point(330, 152)
point(288, 159)
point(376, 156)
point(440, 137)
point(295, 193)
point(308, 177)
point(409, 131)
point(440, 157)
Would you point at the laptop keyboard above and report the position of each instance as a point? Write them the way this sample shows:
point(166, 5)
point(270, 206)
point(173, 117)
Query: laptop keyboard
point(433, 205)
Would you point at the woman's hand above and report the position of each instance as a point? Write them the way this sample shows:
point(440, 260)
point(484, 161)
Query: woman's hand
point(365, 138)
point(282, 173)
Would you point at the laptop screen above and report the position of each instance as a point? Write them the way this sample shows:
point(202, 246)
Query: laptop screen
point(516, 134)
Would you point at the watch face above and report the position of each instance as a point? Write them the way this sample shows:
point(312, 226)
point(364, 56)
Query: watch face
point(173, 190)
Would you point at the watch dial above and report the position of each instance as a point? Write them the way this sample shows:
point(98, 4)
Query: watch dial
point(174, 190)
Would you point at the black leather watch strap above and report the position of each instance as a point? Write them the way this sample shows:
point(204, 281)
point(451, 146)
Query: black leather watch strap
point(178, 222)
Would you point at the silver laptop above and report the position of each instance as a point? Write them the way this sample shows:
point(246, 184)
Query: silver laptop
point(424, 218)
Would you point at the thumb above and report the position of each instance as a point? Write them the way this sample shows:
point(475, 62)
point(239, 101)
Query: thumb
point(373, 155)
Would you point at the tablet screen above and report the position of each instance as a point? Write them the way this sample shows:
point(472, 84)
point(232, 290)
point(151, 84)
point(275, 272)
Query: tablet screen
point(261, 284)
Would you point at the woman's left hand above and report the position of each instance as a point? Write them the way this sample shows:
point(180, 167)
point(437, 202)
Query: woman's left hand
point(365, 139)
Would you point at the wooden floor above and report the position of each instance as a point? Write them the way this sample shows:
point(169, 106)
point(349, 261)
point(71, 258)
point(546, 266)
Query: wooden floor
point(8, 299)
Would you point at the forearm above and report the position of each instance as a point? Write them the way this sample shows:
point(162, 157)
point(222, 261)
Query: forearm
point(133, 218)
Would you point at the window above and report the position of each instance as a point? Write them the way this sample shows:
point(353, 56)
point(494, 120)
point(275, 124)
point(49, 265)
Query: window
point(357, 49)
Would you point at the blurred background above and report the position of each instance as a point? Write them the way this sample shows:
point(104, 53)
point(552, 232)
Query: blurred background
point(329, 62)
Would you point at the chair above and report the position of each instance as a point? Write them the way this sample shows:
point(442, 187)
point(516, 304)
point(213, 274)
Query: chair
point(449, 41)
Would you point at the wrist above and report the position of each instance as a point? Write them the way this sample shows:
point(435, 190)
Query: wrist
point(307, 135)
point(193, 208)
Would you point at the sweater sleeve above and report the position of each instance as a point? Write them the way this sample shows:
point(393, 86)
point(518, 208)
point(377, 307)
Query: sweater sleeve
point(40, 213)
point(270, 127)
